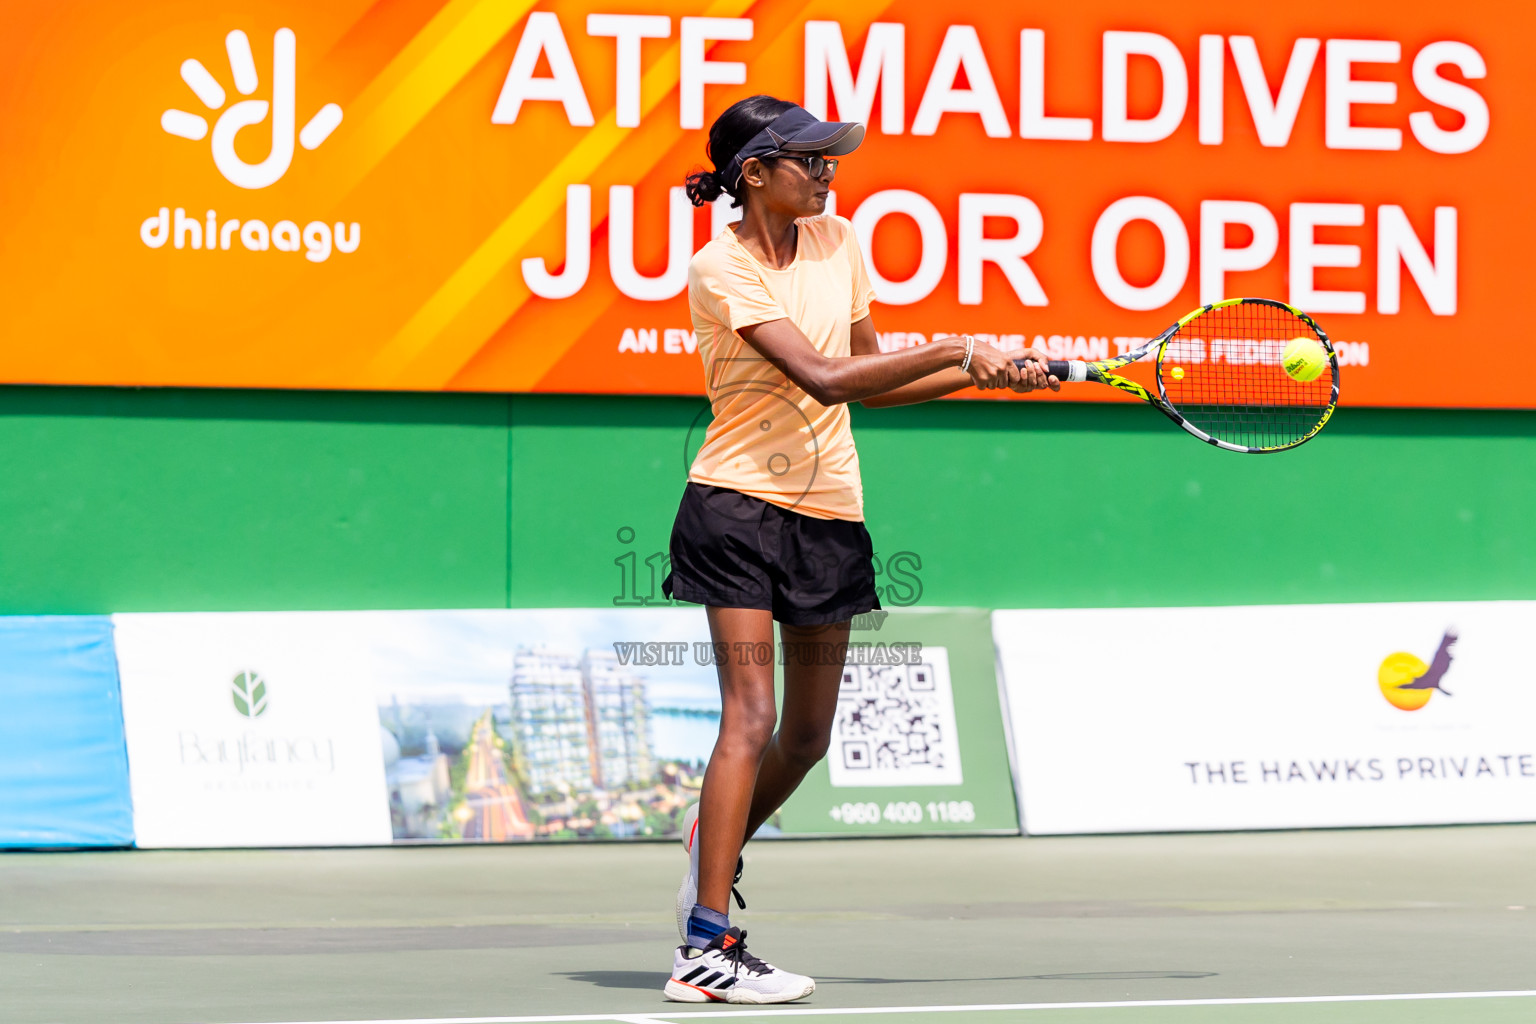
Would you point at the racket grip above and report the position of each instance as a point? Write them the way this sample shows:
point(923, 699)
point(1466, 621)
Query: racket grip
point(1066, 370)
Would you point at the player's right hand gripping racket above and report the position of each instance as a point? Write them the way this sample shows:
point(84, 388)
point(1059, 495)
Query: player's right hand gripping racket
point(1219, 376)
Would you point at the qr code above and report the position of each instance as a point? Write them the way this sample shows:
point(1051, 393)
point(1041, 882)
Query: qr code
point(895, 725)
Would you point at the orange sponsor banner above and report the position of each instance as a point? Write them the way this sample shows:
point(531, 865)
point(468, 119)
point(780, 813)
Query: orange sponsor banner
point(484, 195)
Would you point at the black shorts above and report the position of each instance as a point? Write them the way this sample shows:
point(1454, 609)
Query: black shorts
point(730, 550)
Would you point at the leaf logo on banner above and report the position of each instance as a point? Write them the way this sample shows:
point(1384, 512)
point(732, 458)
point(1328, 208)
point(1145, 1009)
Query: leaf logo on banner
point(249, 692)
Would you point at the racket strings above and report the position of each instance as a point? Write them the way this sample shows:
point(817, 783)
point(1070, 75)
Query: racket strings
point(1222, 372)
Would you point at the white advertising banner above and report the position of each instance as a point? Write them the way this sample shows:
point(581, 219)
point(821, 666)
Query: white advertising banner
point(517, 725)
point(253, 729)
point(1289, 716)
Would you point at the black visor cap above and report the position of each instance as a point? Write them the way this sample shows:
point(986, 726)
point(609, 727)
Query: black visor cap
point(797, 130)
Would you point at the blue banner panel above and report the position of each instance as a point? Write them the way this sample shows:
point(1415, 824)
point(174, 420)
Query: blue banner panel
point(63, 762)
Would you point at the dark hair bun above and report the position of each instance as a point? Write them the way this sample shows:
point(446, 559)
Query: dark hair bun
point(703, 187)
point(732, 130)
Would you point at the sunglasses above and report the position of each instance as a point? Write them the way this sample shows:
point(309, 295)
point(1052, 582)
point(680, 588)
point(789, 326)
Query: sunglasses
point(816, 165)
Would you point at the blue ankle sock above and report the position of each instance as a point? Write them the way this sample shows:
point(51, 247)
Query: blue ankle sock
point(704, 924)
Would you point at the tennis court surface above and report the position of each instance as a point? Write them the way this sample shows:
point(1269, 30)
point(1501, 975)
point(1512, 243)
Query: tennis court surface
point(1400, 925)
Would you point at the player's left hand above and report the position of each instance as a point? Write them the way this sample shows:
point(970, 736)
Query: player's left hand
point(1033, 376)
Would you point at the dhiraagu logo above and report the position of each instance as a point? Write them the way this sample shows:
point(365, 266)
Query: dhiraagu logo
point(242, 68)
point(317, 238)
point(1407, 682)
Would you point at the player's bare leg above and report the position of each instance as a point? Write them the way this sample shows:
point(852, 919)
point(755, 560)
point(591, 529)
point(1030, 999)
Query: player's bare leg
point(814, 658)
point(747, 719)
point(712, 964)
point(813, 674)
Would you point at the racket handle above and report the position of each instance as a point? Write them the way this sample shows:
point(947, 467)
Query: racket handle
point(1066, 370)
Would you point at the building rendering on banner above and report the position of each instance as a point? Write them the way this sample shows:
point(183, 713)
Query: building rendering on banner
point(579, 722)
point(419, 787)
point(618, 721)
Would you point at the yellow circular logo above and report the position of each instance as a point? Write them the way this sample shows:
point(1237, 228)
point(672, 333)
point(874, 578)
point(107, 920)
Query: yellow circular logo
point(1399, 668)
point(1407, 682)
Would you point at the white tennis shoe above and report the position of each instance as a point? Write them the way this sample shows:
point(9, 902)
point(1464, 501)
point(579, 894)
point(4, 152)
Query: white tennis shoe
point(688, 891)
point(724, 972)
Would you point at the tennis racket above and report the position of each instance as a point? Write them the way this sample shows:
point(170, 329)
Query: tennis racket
point(1219, 376)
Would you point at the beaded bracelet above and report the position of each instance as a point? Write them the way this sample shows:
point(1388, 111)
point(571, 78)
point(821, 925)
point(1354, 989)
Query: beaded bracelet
point(970, 348)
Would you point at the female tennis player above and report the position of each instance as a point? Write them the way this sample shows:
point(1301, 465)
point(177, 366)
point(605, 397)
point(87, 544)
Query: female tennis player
point(771, 525)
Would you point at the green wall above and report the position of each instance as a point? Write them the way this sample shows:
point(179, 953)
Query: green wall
point(134, 500)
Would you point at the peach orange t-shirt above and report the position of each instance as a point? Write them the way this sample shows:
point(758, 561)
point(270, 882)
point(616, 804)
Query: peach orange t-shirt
point(769, 439)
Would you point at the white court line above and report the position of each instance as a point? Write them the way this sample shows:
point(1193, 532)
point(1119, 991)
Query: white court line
point(666, 1016)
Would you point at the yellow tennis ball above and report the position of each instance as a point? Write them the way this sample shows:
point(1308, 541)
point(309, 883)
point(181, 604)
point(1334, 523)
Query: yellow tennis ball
point(1178, 373)
point(1304, 359)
